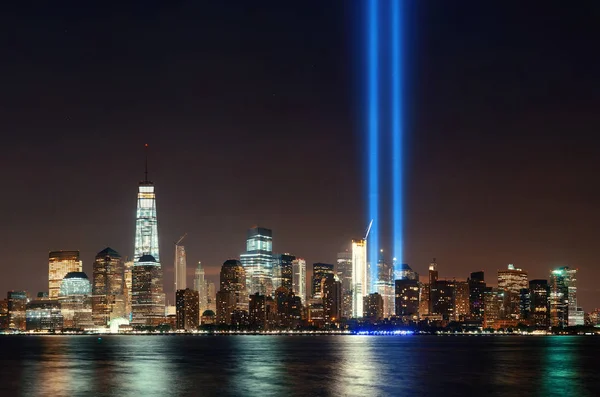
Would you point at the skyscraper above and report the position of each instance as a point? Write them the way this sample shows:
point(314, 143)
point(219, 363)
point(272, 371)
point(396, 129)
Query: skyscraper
point(147, 297)
point(258, 261)
point(128, 283)
point(359, 276)
point(187, 311)
point(477, 288)
point(201, 286)
point(510, 284)
point(180, 266)
point(17, 309)
point(373, 309)
point(283, 271)
point(146, 222)
point(407, 299)
point(75, 298)
point(385, 285)
point(539, 294)
point(331, 291)
point(461, 300)
point(320, 270)
point(233, 295)
point(344, 272)
point(108, 288)
point(433, 277)
point(405, 272)
point(563, 297)
point(299, 278)
point(60, 263)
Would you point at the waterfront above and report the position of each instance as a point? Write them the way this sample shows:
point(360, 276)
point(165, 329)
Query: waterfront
point(298, 365)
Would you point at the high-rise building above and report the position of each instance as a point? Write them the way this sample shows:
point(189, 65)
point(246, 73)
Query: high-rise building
point(187, 309)
point(407, 298)
point(128, 282)
point(147, 297)
point(433, 277)
point(17, 310)
point(385, 285)
point(258, 261)
point(44, 314)
point(510, 284)
point(75, 298)
point(233, 294)
point(492, 301)
point(442, 297)
point(563, 297)
point(320, 270)
point(461, 300)
point(201, 285)
point(477, 288)
point(360, 288)
point(60, 263)
point(373, 309)
point(539, 294)
point(146, 222)
point(299, 278)
point(180, 267)
point(331, 292)
point(344, 272)
point(283, 272)
point(108, 288)
point(3, 313)
point(257, 314)
point(424, 300)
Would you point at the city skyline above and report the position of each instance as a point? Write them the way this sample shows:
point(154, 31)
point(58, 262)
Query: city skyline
point(499, 158)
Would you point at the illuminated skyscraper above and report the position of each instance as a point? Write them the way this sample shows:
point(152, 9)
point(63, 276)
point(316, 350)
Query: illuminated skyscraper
point(331, 292)
point(147, 297)
point(539, 294)
point(477, 288)
point(17, 309)
point(385, 285)
point(75, 298)
point(433, 277)
point(510, 284)
point(233, 295)
point(359, 276)
point(373, 309)
point(61, 263)
point(201, 286)
point(180, 267)
point(563, 297)
point(258, 261)
point(344, 272)
point(407, 299)
point(283, 271)
point(461, 300)
point(299, 278)
point(188, 316)
point(146, 223)
point(128, 282)
point(405, 272)
point(108, 292)
point(320, 270)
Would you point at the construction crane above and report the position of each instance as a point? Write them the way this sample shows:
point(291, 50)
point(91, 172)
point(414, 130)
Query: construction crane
point(368, 229)
point(182, 237)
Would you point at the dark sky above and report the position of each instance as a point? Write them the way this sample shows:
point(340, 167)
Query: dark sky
point(253, 114)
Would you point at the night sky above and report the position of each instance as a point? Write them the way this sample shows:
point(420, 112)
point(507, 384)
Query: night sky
point(253, 114)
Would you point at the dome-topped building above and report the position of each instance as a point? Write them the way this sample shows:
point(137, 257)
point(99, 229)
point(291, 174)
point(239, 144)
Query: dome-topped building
point(75, 283)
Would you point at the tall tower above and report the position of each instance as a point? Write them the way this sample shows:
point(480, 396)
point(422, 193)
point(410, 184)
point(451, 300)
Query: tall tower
point(146, 224)
point(344, 272)
point(201, 286)
point(147, 296)
point(59, 264)
point(258, 261)
point(299, 278)
point(108, 297)
point(180, 266)
point(359, 276)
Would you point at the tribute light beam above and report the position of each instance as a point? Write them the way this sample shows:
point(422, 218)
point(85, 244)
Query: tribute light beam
point(373, 139)
point(397, 133)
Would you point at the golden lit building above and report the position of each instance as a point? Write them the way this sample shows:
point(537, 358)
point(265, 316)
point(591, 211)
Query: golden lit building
point(187, 303)
point(510, 283)
point(108, 300)
point(59, 264)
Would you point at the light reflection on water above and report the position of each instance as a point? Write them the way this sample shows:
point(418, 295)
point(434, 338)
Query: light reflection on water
point(297, 366)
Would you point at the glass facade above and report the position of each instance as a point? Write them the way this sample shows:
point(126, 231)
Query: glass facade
point(299, 278)
point(147, 297)
point(258, 261)
point(510, 284)
point(76, 301)
point(320, 271)
point(344, 272)
point(59, 264)
point(359, 276)
point(146, 223)
point(108, 300)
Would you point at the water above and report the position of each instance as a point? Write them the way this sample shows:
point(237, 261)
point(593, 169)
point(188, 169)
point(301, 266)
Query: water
point(146, 366)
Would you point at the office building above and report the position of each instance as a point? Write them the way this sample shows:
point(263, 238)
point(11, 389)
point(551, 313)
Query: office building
point(384, 285)
point(373, 307)
point(344, 272)
point(17, 307)
point(180, 267)
point(405, 272)
point(44, 315)
point(510, 284)
point(211, 300)
point(433, 277)
point(461, 300)
point(442, 298)
point(201, 285)
point(283, 272)
point(187, 309)
point(320, 270)
point(492, 301)
point(360, 270)
point(539, 305)
point(257, 314)
point(146, 221)
point(75, 299)
point(258, 261)
point(331, 292)
point(477, 288)
point(59, 264)
point(147, 297)
point(563, 298)
point(299, 278)
point(108, 288)
point(128, 283)
point(232, 298)
point(407, 299)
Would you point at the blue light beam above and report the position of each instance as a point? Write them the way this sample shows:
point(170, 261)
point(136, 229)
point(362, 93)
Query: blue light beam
point(373, 140)
point(397, 134)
